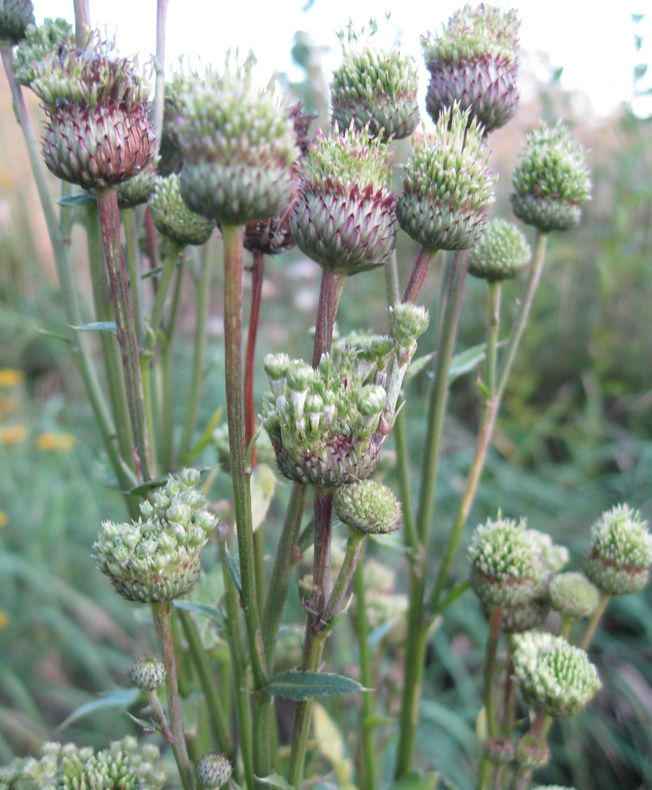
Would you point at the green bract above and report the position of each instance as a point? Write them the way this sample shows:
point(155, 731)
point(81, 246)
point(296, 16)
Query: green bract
point(39, 42)
point(532, 752)
point(15, 17)
point(556, 678)
point(137, 189)
point(573, 595)
point(173, 218)
point(551, 180)
point(157, 558)
point(147, 674)
point(474, 62)
point(368, 507)
point(447, 187)
point(501, 253)
point(213, 771)
point(378, 89)
point(237, 147)
point(620, 553)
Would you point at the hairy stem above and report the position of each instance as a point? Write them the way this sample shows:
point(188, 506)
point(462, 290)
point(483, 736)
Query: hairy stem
point(418, 275)
point(592, 624)
point(368, 739)
point(491, 651)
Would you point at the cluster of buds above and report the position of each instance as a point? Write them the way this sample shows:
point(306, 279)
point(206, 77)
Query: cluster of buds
point(327, 426)
point(474, 62)
point(213, 771)
point(120, 767)
point(551, 180)
point(157, 558)
point(501, 254)
point(619, 555)
point(173, 218)
point(556, 678)
point(376, 89)
point(237, 147)
point(15, 17)
point(344, 218)
point(40, 41)
point(98, 132)
point(447, 187)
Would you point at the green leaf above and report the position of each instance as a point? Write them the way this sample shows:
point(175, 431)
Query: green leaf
point(234, 570)
point(418, 781)
point(274, 780)
point(98, 326)
point(78, 199)
point(391, 542)
point(381, 631)
point(305, 685)
point(151, 273)
point(417, 365)
point(465, 361)
point(204, 439)
point(120, 698)
point(216, 615)
point(55, 336)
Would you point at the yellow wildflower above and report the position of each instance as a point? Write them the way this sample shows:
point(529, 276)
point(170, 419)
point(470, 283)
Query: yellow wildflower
point(4, 620)
point(9, 377)
point(4, 519)
point(60, 442)
point(12, 434)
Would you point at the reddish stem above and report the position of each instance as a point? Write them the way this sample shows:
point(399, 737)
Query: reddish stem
point(418, 276)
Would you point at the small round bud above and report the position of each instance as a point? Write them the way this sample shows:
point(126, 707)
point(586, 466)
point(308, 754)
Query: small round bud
point(344, 218)
point(137, 189)
point(368, 507)
point(620, 552)
point(551, 180)
point(518, 619)
point(147, 674)
point(551, 556)
point(15, 16)
point(501, 254)
point(276, 366)
point(505, 567)
point(408, 322)
point(556, 679)
point(474, 63)
point(498, 750)
point(173, 218)
point(213, 771)
point(532, 752)
point(573, 595)
point(447, 187)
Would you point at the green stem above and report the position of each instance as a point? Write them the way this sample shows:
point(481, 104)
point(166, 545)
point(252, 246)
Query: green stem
point(417, 622)
point(592, 624)
point(369, 757)
point(565, 627)
point(128, 219)
point(107, 206)
point(493, 325)
point(167, 408)
point(171, 261)
point(206, 677)
point(495, 618)
point(162, 622)
point(82, 25)
point(352, 555)
point(159, 69)
point(510, 691)
point(159, 715)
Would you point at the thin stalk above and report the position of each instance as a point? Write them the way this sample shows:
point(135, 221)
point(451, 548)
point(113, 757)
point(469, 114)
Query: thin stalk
point(159, 69)
point(354, 548)
point(367, 735)
point(491, 651)
point(171, 261)
point(107, 205)
point(162, 623)
point(510, 691)
point(82, 24)
point(592, 624)
point(417, 622)
point(206, 677)
point(159, 715)
point(565, 627)
point(128, 219)
point(493, 326)
point(418, 275)
point(329, 293)
point(167, 385)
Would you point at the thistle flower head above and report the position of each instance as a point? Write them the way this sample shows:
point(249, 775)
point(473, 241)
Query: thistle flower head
point(551, 556)
point(157, 558)
point(173, 218)
point(179, 82)
point(556, 678)
point(98, 131)
point(551, 180)
point(447, 187)
point(499, 750)
point(408, 322)
point(573, 595)
point(501, 253)
point(368, 507)
point(532, 752)
point(474, 62)
point(518, 619)
point(344, 218)
point(376, 89)
point(237, 147)
point(138, 188)
point(619, 555)
point(505, 564)
point(147, 674)
point(39, 42)
point(213, 771)
point(15, 17)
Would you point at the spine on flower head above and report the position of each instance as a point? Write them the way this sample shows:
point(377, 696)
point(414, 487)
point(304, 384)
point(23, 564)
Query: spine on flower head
point(501, 254)
point(173, 219)
point(368, 507)
point(213, 771)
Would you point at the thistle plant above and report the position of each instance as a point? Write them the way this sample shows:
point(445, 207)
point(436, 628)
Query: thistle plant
point(211, 154)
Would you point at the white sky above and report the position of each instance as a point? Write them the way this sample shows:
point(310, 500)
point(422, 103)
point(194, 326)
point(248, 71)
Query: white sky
point(594, 42)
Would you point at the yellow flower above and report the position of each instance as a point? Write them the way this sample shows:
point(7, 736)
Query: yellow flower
point(7, 406)
point(12, 434)
point(4, 620)
point(4, 519)
point(60, 442)
point(9, 377)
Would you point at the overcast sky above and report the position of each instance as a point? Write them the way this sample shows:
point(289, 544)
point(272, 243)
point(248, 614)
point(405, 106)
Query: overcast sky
point(595, 48)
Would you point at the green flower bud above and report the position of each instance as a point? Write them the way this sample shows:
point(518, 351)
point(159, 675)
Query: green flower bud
point(408, 322)
point(551, 556)
point(15, 16)
point(498, 750)
point(147, 674)
point(573, 595)
point(172, 531)
point(474, 63)
point(532, 752)
point(213, 771)
point(368, 507)
point(556, 679)
point(137, 189)
point(505, 567)
point(344, 218)
point(518, 619)
point(447, 187)
point(39, 42)
point(378, 90)
point(237, 148)
point(620, 553)
point(551, 180)
point(173, 218)
point(179, 83)
point(501, 253)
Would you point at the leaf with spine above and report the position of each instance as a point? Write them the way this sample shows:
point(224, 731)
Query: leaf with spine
point(120, 699)
point(305, 685)
point(263, 483)
point(97, 326)
point(78, 199)
point(418, 781)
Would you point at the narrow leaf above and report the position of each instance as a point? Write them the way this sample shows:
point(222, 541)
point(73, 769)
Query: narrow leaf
point(78, 199)
point(465, 361)
point(417, 365)
point(216, 615)
point(121, 698)
point(274, 780)
point(304, 685)
point(55, 336)
point(98, 326)
point(418, 781)
point(204, 439)
point(234, 570)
